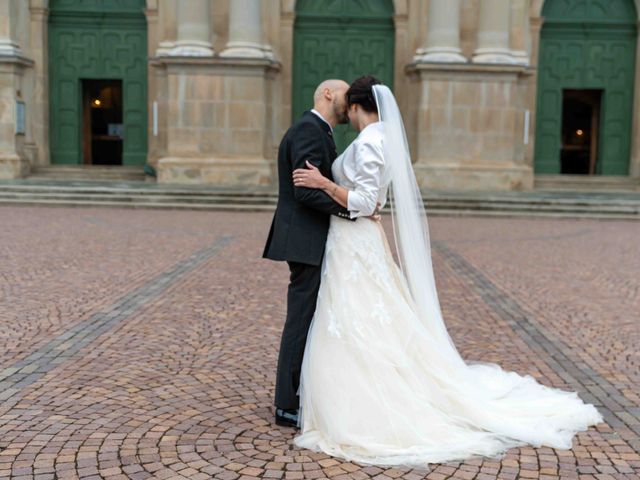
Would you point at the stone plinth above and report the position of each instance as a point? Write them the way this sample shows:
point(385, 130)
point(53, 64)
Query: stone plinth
point(215, 121)
point(468, 126)
point(215, 171)
point(14, 156)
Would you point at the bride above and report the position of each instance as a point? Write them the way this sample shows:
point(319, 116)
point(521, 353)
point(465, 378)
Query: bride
point(382, 382)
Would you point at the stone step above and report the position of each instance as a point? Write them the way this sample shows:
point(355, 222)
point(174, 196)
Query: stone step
point(80, 176)
point(200, 198)
point(216, 195)
point(87, 172)
point(141, 188)
point(138, 205)
point(585, 183)
point(88, 168)
point(129, 188)
point(449, 211)
point(132, 198)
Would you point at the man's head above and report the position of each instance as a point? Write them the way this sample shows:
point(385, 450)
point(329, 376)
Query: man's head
point(330, 100)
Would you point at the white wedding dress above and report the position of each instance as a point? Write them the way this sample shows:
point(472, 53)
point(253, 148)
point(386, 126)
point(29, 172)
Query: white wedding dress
point(382, 384)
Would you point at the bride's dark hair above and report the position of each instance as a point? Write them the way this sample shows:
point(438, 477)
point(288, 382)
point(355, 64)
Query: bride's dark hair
point(361, 93)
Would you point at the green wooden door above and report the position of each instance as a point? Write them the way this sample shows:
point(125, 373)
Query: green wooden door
point(587, 44)
point(340, 39)
point(96, 39)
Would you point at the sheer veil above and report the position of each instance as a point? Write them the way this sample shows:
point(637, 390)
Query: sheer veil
point(510, 405)
point(410, 226)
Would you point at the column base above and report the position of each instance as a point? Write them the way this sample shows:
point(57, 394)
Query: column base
point(222, 172)
point(246, 50)
point(190, 48)
point(440, 55)
point(520, 57)
point(9, 48)
point(164, 48)
point(499, 56)
point(449, 176)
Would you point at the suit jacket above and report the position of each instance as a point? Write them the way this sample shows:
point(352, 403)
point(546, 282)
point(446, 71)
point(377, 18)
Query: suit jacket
point(301, 222)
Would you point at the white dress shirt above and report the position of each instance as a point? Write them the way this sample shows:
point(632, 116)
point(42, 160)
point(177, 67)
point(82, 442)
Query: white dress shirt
point(313, 110)
point(360, 169)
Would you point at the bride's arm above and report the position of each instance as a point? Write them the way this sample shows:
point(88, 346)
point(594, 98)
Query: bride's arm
point(312, 178)
point(362, 201)
point(367, 179)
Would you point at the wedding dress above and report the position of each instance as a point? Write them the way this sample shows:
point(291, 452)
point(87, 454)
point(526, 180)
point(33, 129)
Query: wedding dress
point(382, 383)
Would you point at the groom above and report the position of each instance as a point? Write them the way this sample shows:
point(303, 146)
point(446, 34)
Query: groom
point(299, 232)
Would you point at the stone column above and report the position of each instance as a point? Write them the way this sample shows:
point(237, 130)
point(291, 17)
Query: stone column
point(39, 108)
point(194, 30)
point(8, 43)
point(443, 35)
point(167, 28)
point(493, 33)
point(245, 31)
point(520, 35)
point(16, 92)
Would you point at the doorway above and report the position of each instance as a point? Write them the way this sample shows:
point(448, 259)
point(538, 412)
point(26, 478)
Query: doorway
point(580, 132)
point(102, 136)
point(105, 41)
point(586, 71)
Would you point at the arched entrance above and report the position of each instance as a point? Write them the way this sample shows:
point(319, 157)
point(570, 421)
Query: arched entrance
point(98, 82)
point(586, 73)
point(340, 39)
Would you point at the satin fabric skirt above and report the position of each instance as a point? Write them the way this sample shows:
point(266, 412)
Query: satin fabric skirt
point(376, 388)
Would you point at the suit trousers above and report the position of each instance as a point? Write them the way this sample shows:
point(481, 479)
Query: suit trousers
point(302, 296)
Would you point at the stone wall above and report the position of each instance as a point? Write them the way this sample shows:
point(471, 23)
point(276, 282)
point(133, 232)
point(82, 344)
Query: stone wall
point(220, 77)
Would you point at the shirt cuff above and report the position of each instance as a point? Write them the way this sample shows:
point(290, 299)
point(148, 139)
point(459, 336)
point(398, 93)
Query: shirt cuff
point(354, 211)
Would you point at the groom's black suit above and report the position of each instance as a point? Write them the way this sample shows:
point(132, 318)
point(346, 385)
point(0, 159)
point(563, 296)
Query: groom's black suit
point(298, 235)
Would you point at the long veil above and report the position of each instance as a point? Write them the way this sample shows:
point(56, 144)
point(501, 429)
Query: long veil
point(510, 405)
point(410, 225)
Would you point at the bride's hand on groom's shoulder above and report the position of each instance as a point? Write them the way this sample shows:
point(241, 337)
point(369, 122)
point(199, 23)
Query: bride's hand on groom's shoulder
point(309, 177)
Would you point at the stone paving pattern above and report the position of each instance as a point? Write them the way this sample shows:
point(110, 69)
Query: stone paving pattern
point(143, 344)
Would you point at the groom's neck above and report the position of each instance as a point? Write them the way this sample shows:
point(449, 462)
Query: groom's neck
point(327, 113)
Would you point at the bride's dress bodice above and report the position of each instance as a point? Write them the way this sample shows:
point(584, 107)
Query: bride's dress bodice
point(360, 169)
point(336, 170)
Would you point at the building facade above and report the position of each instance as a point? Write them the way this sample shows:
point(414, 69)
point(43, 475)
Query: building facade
point(494, 93)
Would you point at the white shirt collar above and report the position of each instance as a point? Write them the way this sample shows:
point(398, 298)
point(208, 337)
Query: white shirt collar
point(313, 110)
point(373, 125)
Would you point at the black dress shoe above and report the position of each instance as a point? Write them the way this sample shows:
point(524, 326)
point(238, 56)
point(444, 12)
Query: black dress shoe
point(287, 418)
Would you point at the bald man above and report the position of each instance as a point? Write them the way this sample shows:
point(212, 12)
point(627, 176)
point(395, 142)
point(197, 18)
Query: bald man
point(299, 232)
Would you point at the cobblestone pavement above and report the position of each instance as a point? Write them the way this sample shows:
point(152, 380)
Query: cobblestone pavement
point(143, 344)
